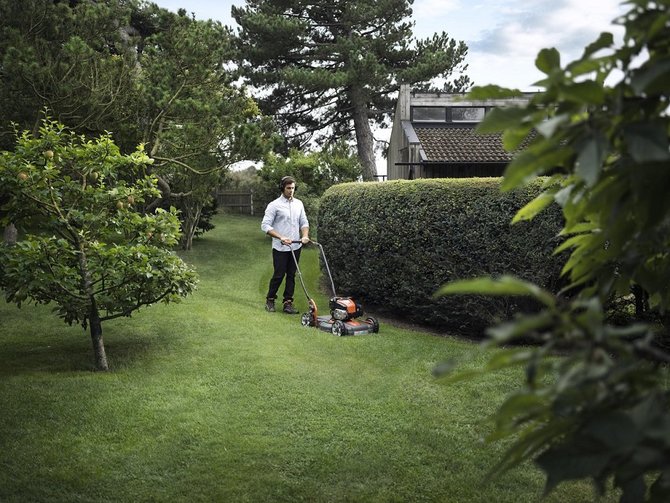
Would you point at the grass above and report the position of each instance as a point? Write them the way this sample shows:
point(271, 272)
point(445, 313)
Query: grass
point(214, 399)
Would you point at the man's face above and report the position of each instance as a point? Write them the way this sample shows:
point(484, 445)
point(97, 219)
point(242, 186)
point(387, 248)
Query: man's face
point(289, 189)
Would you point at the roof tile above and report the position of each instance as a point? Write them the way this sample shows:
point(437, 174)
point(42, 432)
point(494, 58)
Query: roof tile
point(461, 145)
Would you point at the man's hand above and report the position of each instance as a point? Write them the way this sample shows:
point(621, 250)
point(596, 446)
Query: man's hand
point(304, 240)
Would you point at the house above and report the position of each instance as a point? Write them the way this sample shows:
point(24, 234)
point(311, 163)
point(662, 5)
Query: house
point(434, 136)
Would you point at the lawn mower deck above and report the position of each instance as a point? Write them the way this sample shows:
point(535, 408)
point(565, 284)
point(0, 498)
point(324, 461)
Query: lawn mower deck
point(342, 320)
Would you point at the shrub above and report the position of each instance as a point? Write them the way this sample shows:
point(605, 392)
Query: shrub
point(394, 244)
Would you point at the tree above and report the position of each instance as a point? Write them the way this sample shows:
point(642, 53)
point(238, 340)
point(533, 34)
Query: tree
point(601, 411)
point(314, 172)
point(87, 248)
point(75, 59)
point(331, 67)
point(146, 74)
point(197, 123)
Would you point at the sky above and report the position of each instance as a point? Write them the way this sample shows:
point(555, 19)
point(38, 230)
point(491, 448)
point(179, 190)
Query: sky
point(503, 36)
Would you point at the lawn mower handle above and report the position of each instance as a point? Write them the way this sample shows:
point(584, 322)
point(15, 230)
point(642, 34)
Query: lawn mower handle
point(325, 262)
point(309, 242)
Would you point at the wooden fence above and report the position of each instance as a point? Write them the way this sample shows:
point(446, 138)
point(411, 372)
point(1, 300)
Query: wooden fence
point(238, 202)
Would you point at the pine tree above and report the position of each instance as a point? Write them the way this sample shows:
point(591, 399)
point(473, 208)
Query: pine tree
point(330, 68)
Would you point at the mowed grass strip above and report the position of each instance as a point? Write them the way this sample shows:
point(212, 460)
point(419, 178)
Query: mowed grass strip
point(214, 399)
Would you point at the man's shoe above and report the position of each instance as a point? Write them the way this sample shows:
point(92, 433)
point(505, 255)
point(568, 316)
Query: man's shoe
point(289, 309)
point(270, 306)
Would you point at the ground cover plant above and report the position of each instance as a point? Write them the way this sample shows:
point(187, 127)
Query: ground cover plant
point(214, 399)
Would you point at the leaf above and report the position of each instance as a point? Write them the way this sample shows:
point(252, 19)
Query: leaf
point(530, 210)
point(562, 463)
point(652, 78)
point(520, 406)
point(512, 137)
point(504, 285)
point(549, 127)
point(451, 376)
point(590, 159)
point(587, 92)
point(647, 142)
point(531, 440)
point(581, 67)
point(532, 161)
point(605, 39)
point(547, 60)
point(615, 430)
point(507, 331)
point(509, 358)
point(578, 228)
point(501, 119)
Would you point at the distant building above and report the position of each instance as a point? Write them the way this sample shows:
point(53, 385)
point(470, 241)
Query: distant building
point(434, 136)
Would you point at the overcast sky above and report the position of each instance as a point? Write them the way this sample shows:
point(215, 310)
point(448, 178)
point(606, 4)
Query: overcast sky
point(503, 36)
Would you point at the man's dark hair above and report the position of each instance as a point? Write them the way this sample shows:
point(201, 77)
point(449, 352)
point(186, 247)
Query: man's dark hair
point(285, 181)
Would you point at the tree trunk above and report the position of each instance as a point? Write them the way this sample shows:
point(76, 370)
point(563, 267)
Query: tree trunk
point(93, 314)
point(364, 136)
point(96, 339)
point(191, 220)
point(10, 235)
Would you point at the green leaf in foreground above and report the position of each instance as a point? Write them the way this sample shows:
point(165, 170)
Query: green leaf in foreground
point(504, 285)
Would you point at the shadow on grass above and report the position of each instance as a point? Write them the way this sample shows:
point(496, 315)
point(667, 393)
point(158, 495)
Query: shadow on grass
point(52, 357)
point(75, 356)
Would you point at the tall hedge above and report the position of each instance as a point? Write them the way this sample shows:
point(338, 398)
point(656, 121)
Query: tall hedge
point(393, 244)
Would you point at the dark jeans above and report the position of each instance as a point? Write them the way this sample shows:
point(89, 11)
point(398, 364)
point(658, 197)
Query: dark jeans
point(283, 266)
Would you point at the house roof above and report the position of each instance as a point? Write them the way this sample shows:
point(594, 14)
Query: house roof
point(448, 144)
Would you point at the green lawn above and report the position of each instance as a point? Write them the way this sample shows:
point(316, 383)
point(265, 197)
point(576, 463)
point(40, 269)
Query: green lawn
point(215, 399)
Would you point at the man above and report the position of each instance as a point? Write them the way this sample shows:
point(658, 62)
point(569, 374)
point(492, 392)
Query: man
point(285, 221)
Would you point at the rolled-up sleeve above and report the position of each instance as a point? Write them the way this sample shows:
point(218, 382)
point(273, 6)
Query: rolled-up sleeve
point(268, 218)
point(303, 219)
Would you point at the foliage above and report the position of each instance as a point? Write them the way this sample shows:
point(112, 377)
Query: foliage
point(199, 123)
point(331, 68)
point(87, 248)
point(393, 244)
point(148, 75)
point(76, 61)
point(601, 412)
point(314, 173)
point(243, 179)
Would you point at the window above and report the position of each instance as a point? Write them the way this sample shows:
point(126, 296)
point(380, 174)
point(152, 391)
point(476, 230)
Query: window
point(467, 114)
point(431, 114)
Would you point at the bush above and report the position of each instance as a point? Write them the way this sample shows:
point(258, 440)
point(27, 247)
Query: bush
point(394, 244)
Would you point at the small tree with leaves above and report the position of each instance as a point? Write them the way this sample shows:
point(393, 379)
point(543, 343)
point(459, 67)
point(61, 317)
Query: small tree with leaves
point(601, 412)
point(87, 249)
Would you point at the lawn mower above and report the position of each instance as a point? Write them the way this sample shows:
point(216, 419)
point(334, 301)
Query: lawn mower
point(344, 311)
